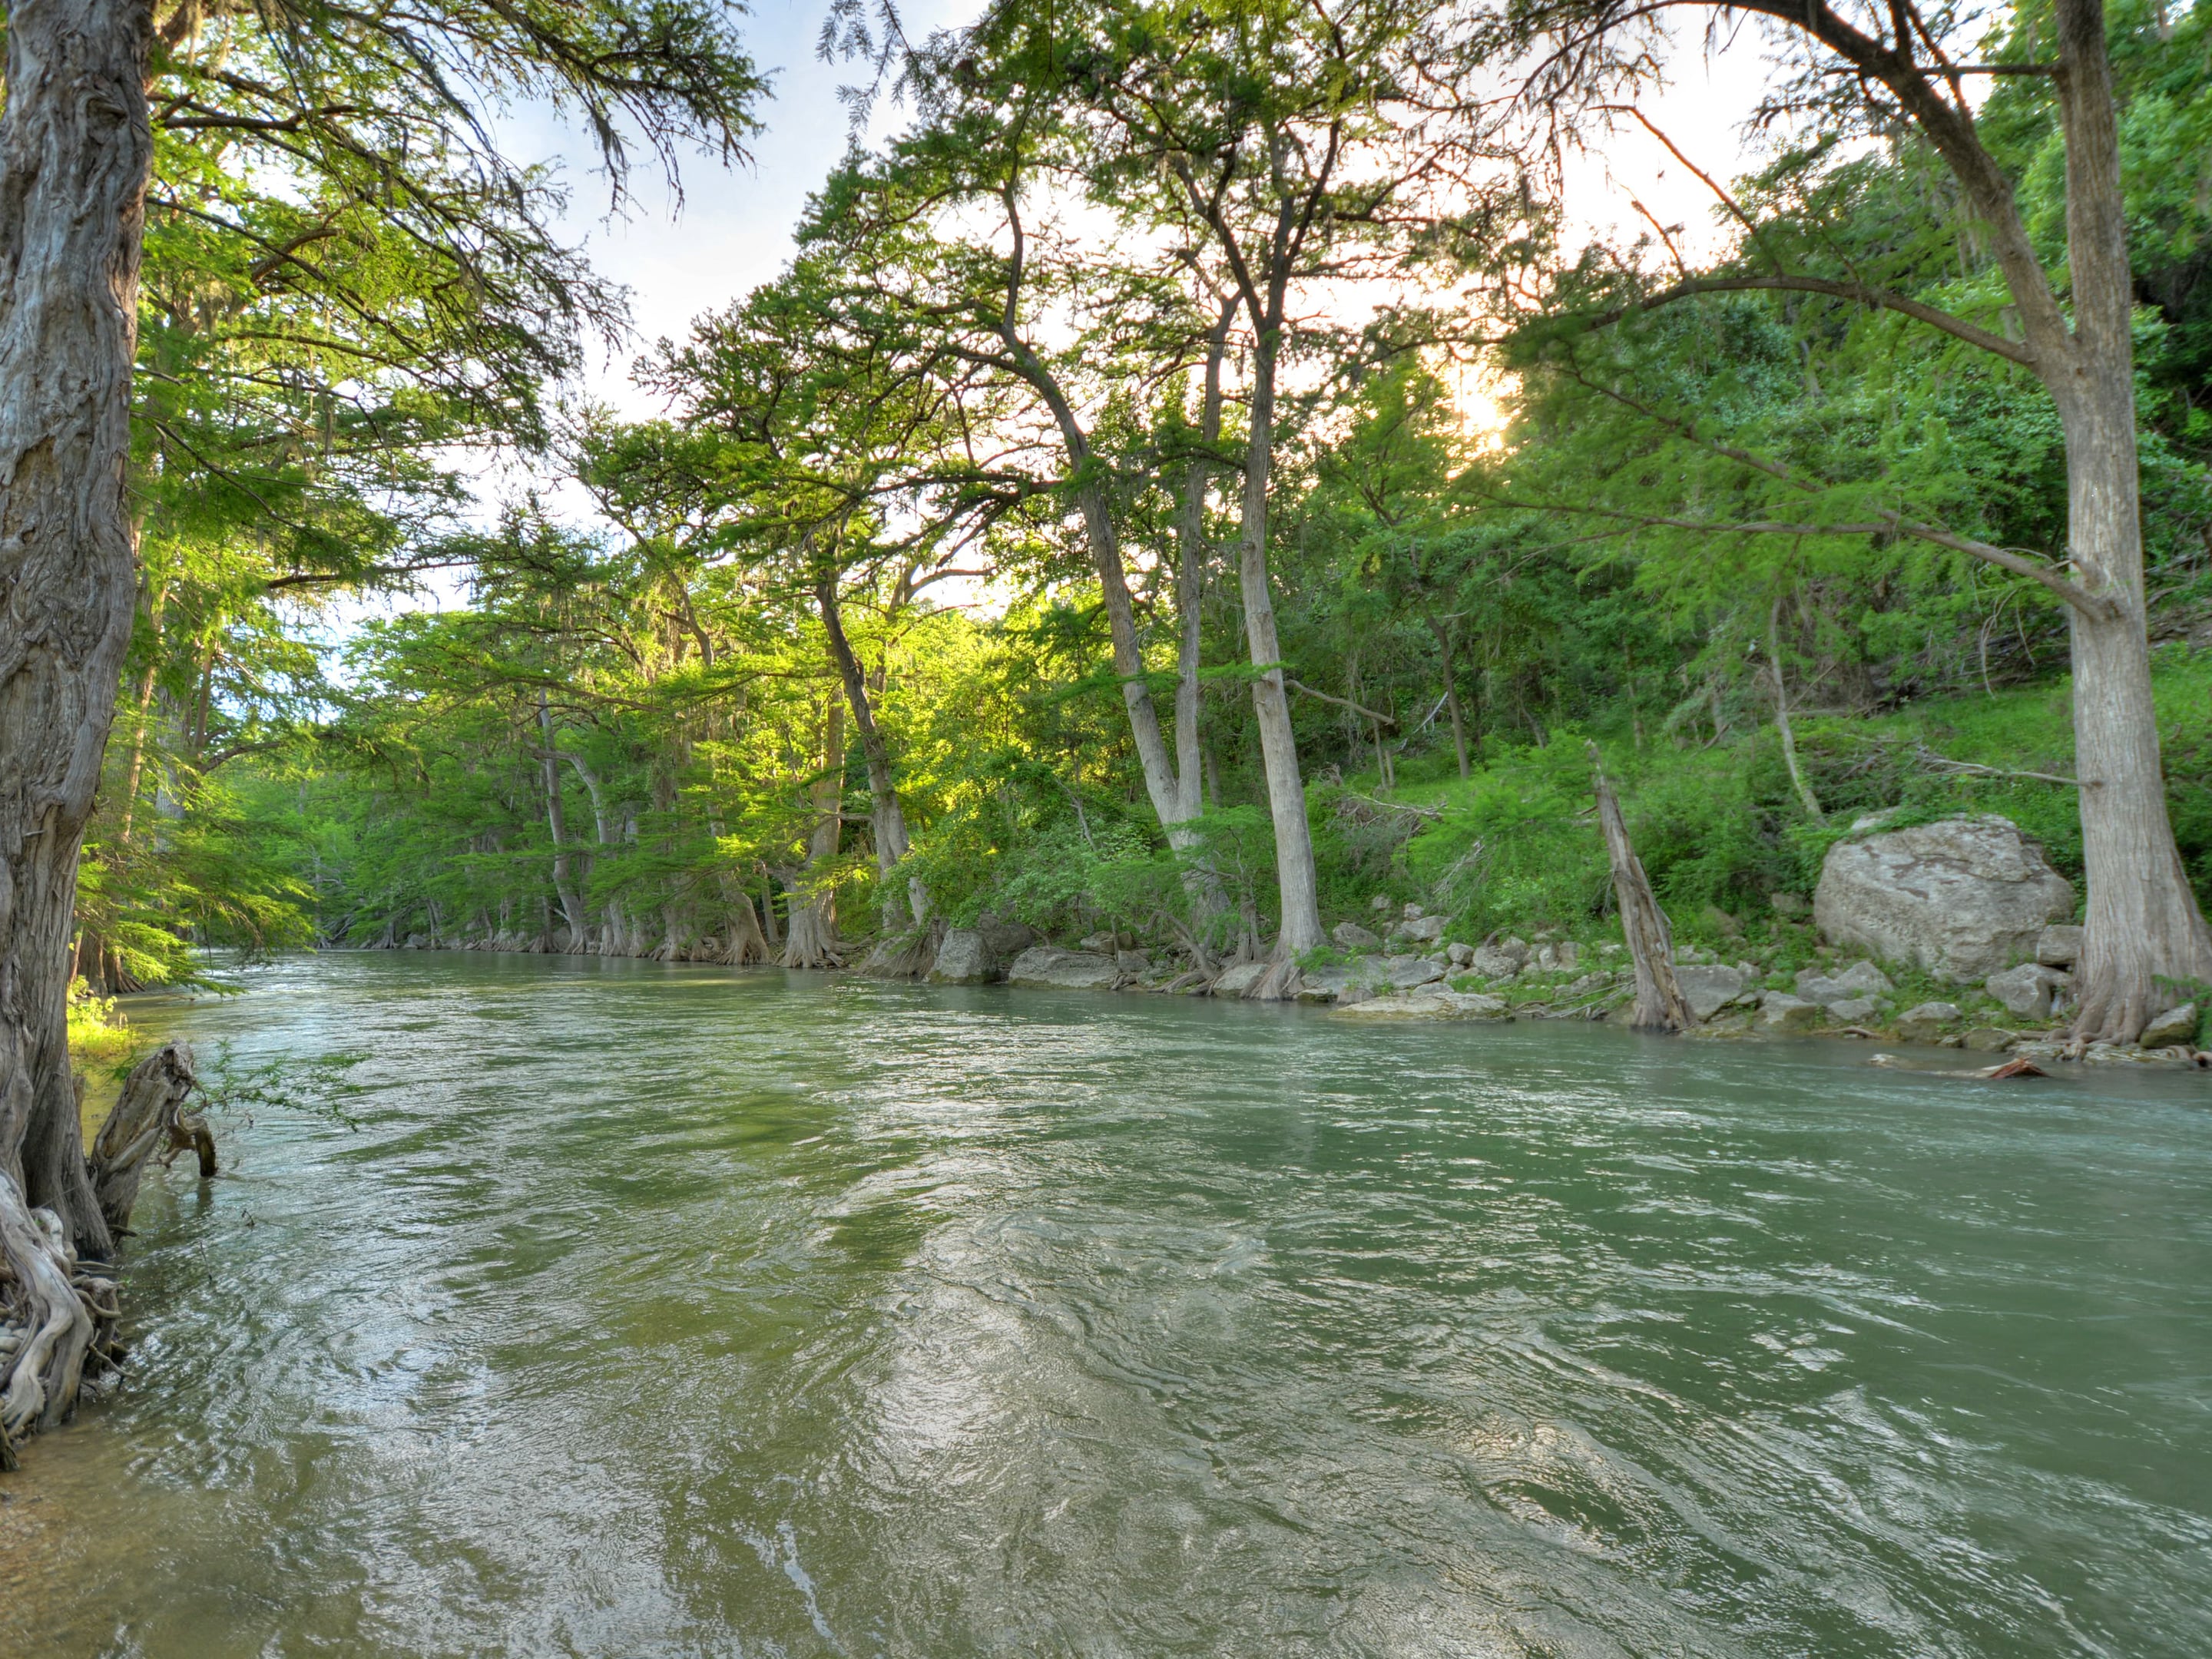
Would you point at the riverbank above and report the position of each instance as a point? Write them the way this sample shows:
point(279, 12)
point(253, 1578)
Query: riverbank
point(1547, 979)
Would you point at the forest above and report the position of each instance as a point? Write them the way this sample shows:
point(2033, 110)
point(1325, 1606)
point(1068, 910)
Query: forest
point(1184, 484)
point(1199, 490)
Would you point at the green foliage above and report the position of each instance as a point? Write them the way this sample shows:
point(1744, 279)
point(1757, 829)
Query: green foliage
point(986, 365)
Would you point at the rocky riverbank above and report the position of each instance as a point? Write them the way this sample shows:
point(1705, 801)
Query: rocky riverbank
point(1954, 934)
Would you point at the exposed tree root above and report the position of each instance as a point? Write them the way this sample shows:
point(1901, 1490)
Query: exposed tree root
point(57, 1315)
point(57, 1319)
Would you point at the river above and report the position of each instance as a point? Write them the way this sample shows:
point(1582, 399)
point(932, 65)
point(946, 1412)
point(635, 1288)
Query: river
point(614, 1309)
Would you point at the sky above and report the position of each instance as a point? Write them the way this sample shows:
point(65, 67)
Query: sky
point(732, 229)
point(684, 251)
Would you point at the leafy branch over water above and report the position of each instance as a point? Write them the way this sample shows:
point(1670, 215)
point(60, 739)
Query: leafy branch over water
point(319, 1088)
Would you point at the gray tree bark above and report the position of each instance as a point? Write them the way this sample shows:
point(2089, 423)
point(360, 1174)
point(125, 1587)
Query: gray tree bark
point(572, 902)
point(888, 816)
point(1660, 1004)
point(74, 149)
point(1297, 886)
point(810, 941)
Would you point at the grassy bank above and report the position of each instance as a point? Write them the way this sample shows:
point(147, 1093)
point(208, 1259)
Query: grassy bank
point(1732, 851)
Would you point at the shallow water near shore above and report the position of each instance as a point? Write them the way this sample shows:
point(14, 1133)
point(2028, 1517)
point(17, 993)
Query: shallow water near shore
point(653, 1309)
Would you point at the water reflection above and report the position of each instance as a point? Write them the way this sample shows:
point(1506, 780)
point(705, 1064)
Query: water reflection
point(657, 1311)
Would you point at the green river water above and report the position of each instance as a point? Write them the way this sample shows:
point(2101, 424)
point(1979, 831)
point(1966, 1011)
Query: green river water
point(668, 1310)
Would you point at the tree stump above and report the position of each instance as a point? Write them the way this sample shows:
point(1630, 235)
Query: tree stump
point(1660, 1004)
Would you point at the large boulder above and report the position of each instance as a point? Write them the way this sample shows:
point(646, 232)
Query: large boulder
point(1708, 987)
point(1499, 961)
point(2175, 1025)
point(1005, 939)
point(2059, 947)
point(1239, 978)
point(2026, 991)
point(1351, 936)
point(1406, 972)
point(1780, 1012)
point(979, 955)
point(1927, 1021)
point(1049, 967)
point(1860, 979)
point(1344, 981)
point(1962, 899)
point(1422, 930)
point(962, 958)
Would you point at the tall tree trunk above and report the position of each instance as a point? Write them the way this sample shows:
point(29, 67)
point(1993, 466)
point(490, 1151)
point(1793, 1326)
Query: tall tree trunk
point(75, 147)
point(1201, 882)
point(1806, 798)
point(2143, 924)
point(1297, 883)
point(811, 939)
point(1100, 531)
point(1444, 643)
point(888, 817)
point(1190, 576)
point(571, 903)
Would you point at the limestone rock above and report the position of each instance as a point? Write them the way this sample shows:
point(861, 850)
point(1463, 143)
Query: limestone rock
point(1329, 984)
point(1239, 978)
point(1854, 1011)
point(1459, 955)
point(1406, 972)
point(1963, 898)
point(1421, 930)
point(1708, 987)
point(1053, 967)
point(1345, 982)
point(979, 955)
point(1780, 1012)
point(1498, 960)
point(1410, 912)
point(1466, 1005)
point(2174, 1025)
point(1431, 1002)
point(1925, 1023)
point(1005, 939)
point(2059, 947)
point(1860, 979)
point(1132, 962)
point(1104, 943)
point(1990, 1039)
point(2026, 991)
point(1351, 936)
point(1381, 902)
point(962, 958)
point(1394, 1007)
